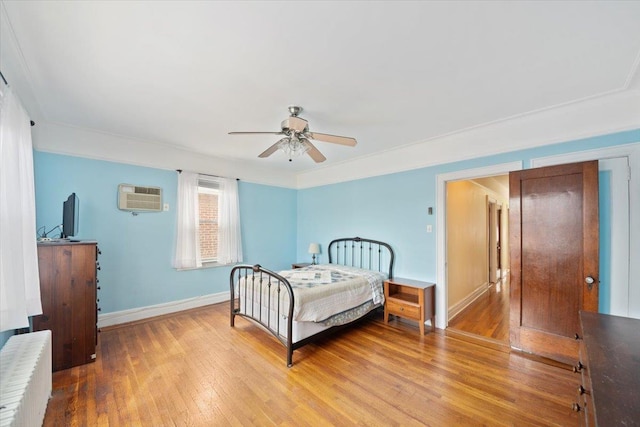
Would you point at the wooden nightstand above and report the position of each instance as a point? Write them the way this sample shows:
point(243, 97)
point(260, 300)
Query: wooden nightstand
point(410, 299)
point(300, 265)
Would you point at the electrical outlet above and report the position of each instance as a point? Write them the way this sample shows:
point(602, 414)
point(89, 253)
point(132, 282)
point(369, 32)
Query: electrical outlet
point(429, 228)
point(165, 207)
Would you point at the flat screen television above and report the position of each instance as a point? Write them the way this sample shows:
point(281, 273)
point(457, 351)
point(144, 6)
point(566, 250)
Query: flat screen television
point(70, 214)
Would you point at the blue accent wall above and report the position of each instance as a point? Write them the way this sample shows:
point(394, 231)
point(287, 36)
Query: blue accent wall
point(137, 250)
point(277, 223)
point(604, 210)
point(393, 208)
point(4, 336)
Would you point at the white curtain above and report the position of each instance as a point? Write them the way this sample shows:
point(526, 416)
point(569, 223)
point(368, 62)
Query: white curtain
point(19, 278)
point(187, 254)
point(229, 238)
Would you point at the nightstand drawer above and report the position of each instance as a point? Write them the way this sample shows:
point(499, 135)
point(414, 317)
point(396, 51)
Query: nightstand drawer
point(403, 309)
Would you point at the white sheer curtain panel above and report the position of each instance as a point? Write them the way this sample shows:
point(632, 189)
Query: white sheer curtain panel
point(19, 278)
point(187, 254)
point(229, 236)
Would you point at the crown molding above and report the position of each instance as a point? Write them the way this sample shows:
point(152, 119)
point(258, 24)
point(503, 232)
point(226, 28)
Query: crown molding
point(73, 141)
point(607, 114)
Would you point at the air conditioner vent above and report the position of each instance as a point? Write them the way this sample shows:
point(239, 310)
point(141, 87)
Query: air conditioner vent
point(148, 190)
point(141, 199)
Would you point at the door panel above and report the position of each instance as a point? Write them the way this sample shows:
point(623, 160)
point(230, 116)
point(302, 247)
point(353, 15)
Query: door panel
point(554, 236)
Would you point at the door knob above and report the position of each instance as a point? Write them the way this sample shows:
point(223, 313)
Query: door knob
point(589, 281)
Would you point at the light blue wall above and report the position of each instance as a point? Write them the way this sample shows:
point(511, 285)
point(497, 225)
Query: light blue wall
point(604, 210)
point(278, 224)
point(4, 336)
point(393, 208)
point(137, 250)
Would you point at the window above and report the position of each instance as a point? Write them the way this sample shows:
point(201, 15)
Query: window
point(208, 222)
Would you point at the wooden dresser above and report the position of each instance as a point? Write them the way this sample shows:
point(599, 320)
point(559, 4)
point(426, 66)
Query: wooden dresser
point(610, 368)
point(68, 287)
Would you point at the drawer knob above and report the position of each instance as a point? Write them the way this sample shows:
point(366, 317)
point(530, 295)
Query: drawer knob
point(577, 337)
point(578, 367)
point(581, 389)
point(576, 407)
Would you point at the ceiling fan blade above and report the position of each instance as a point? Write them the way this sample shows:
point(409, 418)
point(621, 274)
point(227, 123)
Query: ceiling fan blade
point(343, 140)
point(314, 153)
point(269, 151)
point(256, 133)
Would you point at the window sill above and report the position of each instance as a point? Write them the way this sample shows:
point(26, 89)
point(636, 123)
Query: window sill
point(211, 264)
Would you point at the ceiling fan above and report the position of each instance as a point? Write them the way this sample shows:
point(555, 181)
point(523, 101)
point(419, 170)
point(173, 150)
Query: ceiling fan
point(297, 138)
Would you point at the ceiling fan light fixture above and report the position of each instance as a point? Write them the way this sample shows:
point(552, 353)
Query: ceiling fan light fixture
point(293, 146)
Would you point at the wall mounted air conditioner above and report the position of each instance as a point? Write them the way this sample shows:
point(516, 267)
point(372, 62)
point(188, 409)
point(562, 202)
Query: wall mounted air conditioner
point(139, 199)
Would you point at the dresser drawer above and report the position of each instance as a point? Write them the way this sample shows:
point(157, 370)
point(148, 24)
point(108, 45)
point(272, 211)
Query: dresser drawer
point(403, 309)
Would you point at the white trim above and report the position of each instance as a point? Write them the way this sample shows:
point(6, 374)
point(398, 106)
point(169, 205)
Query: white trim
point(625, 150)
point(441, 241)
point(632, 151)
point(585, 119)
point(135, 314)
point(455, 309)
point(601, 116)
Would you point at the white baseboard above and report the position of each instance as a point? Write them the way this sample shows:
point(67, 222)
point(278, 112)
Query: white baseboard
point(455, 309)
point(132, 315)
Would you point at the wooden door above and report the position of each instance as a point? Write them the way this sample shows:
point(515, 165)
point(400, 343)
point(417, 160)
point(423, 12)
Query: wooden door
point(553, 234)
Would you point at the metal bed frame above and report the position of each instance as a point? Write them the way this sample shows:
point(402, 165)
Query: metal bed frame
point(258, 281)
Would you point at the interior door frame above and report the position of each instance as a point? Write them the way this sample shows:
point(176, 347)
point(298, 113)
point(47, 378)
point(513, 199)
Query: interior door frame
point(632, 151)
point(442, 318)
point(500, 241)
point(493, 219)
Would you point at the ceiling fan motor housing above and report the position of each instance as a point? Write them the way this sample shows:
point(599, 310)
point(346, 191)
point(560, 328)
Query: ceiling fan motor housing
point(294, 123)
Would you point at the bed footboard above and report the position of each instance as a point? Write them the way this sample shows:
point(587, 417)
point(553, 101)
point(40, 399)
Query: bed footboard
point(256, 293)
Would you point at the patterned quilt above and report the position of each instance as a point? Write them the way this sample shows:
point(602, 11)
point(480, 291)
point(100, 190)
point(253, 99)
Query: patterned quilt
point(324, 292)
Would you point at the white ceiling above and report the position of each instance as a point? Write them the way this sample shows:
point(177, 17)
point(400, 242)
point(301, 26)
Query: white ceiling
point(390, 74)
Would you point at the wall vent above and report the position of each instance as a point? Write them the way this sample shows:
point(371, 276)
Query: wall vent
point(139, 199)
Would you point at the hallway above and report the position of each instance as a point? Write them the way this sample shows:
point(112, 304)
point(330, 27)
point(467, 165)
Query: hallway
point(488, 316)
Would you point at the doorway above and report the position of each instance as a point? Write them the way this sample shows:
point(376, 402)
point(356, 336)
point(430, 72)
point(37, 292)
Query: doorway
point(478, 288)
point(631, 249)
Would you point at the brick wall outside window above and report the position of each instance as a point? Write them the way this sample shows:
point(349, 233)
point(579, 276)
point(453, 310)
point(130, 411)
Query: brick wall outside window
point(208, 225)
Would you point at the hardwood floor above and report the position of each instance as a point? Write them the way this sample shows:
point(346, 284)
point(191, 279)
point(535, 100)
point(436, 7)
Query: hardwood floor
point(488, 316)
point(193, 369)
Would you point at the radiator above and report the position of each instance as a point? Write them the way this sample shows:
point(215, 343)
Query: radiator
point(25, 379)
